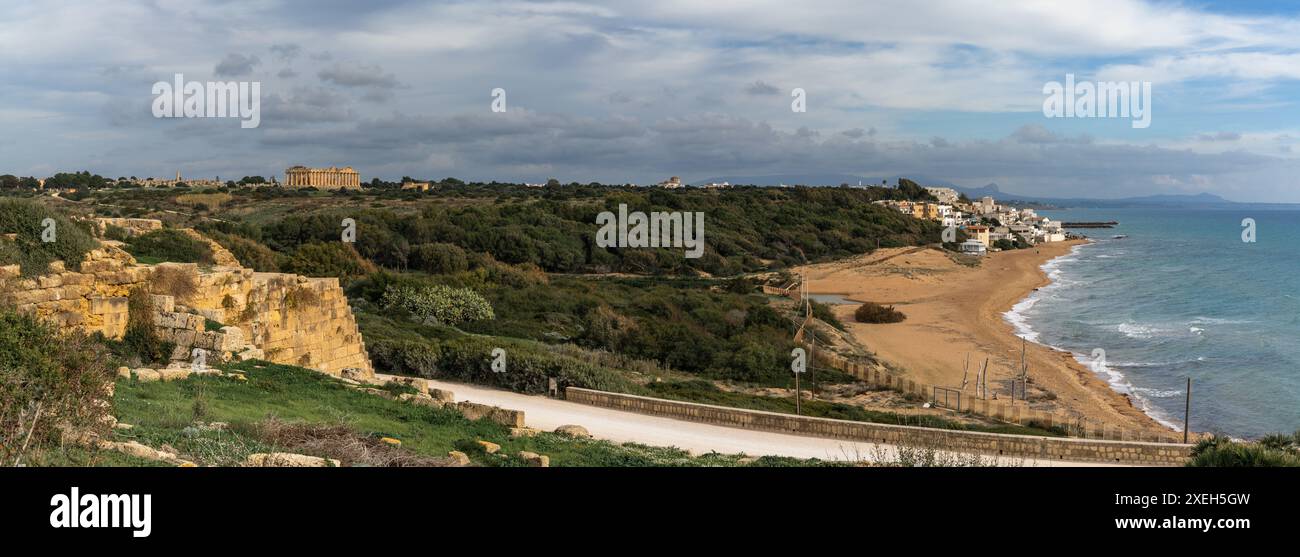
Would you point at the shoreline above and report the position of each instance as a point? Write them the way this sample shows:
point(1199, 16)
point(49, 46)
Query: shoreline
point(955, 311)
point(1115, 379)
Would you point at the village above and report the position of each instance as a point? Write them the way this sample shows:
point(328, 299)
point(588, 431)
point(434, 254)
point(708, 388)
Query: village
point(988, 225)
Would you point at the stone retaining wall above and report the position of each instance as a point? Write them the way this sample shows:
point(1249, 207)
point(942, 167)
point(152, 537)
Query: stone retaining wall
point(991, 444)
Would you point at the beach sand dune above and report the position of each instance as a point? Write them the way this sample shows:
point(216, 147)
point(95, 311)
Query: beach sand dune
point(954, 309)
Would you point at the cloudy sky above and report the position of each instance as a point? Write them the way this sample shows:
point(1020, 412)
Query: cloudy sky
point(637, 91)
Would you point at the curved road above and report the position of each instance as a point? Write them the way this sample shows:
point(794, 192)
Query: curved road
point(622, 427)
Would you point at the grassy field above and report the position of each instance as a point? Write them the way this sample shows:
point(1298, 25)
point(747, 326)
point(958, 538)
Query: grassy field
point(172, 414)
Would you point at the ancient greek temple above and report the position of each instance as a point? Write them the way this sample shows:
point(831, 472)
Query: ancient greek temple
point(323, 178)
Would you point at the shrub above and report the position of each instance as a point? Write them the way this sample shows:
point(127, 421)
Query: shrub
point(335, 259)
point(528, 366)
point(172, 245)
point(827, 315)
point(250, 253)
point(871, 312)
point(439, 258)
point(114, 232)
point(141, 338)
point(48, 380)
point(28, 221)
point(438, 303)
point(1223, 452)
point(171, 280)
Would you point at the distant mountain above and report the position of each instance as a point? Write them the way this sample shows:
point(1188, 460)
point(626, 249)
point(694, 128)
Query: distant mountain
point(831, 179)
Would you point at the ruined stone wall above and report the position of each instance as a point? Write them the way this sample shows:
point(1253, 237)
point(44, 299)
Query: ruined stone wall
point(282, 318)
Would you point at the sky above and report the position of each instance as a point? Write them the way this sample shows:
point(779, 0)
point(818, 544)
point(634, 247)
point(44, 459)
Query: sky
point(634, 91)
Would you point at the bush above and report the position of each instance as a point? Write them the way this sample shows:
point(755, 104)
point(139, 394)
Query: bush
point(171, 280)
point(141, 338)
point(827, 315)
point(28, 221)
point(335, 259)
point(439, 258)
point(871, 312)
point(438, 303)
point(1223, 452)
point(48, 380)
point(172, 245)
point(528, 366)
point(250, 253)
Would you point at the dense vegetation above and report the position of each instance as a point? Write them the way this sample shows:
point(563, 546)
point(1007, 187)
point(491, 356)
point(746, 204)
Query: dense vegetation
point(746, 229)
point(1276, 450)
point(32, 225)
point(48, 379)
point(685, 325)
point(171, 245)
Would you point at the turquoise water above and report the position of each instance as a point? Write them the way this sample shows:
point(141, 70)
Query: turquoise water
point(1183, 296)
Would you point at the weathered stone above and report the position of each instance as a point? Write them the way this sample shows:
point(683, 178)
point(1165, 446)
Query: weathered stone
point(290, 460)
point(442, 395)
point(173, 374)
point(416, 383)
point(535, 460)
point(474, 411)
point(575, 431)
point(146, 375)
point(488, 446)
point(523, 432)
point(124, 372)
point(458, 458)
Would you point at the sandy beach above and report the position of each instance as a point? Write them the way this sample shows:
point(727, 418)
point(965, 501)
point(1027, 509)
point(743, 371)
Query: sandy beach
point(954, 310)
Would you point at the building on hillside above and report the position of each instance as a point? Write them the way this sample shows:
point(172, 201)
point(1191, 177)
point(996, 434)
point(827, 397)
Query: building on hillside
point(332, 178)
point(944, 195)
point(972, 247)
point(716, 185)
point(418, 186)
point(987, 205)
point(979, 233)
point(170, 183)
point(671, 183)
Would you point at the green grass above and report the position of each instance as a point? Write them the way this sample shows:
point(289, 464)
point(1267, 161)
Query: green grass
point(162, 413)
point(72, 456)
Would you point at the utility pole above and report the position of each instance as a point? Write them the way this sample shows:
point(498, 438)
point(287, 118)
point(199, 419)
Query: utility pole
point(1187, 410)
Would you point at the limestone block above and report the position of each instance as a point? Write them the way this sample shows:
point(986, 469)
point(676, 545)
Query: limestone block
point(290, 460)
point(535, 460)
point(474, 411)
point(49, 281)
point(164, 303)
point(146, 375)
point(418, 384)
point(173, 374)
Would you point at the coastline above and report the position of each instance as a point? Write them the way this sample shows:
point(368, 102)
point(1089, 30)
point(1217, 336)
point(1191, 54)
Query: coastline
point(954, 310)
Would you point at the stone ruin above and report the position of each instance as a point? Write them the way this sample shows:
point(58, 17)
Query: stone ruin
point(278, 317)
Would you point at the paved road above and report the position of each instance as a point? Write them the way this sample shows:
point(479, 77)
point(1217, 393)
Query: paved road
point(618, 426)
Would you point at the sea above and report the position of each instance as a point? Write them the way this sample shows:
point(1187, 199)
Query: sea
point(1182, 295)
